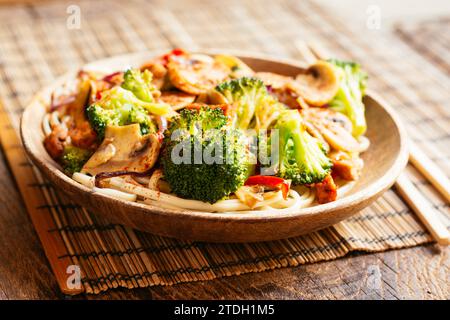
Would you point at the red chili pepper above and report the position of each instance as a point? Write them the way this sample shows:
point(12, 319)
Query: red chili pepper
point(178, 51)
point(98, 95)
point(174, 52)
point(269, 181)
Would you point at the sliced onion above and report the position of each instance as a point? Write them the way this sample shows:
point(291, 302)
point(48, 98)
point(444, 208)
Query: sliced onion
point(84, 179)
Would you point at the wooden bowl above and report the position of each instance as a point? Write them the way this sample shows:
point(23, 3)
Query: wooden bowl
point(385, 159)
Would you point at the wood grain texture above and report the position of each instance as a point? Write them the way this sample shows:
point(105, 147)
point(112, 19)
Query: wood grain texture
point(385, 159)
point(35, 202)
point(24, 269)
point(411, 273)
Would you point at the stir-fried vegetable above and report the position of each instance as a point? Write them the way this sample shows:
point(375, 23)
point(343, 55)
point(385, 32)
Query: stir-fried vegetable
point(253, 106)
point(124, 149)
point(140, 83)
point(318, 84)
point(301, 157)
point(348, 99)
point(270, 182)
point(121, 107)
point(74, 158)
point(202, 157)
point(244, 94)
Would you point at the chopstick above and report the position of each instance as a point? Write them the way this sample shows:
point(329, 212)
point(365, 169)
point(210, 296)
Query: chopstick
point(425, 212)
point(429, 169)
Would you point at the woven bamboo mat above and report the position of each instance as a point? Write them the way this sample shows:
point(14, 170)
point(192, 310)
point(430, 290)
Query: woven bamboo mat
point(429, 38)
point(36, 46)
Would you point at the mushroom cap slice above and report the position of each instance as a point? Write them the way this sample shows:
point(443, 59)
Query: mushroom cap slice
point(196, 74)
point(318, 84)
point(124, 149)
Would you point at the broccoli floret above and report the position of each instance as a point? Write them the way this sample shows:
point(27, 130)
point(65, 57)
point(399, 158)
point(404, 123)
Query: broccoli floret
point(348, 100)
point(203, 158)
point(140, 83)
point(74, 158)
point(302, 157)
point(121, 107)
point(246, 95)
point(267, 113)
point(193, 120)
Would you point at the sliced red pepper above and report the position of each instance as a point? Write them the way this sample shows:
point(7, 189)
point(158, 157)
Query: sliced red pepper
point(178, 52)
point(174, 52)
point(269, 181)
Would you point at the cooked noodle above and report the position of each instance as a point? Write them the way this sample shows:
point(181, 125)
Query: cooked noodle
point(345, 187)
point(46, 124)
point(364, 143)
point(116, 194)
point(119, 188)
point(54, 119)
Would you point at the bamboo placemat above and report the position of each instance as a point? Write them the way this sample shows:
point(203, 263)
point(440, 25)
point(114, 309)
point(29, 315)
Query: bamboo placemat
point(429, 38)
point(36, 46)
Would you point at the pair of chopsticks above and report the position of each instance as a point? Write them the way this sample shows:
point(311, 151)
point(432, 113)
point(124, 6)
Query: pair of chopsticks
point(418, 203)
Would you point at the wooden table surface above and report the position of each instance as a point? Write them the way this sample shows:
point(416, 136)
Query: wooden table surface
point(415, 273)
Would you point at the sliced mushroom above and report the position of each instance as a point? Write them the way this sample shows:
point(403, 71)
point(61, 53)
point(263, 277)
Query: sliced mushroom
point(194, 74)
point(318, 84)
point(334, 127)
point(118, 152)
point(176, 99)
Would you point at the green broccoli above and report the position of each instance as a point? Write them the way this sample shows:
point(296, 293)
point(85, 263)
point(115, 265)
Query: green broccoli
point(348, 100)
point(140, 83)
point(203, 158)
point(302, 158)
point(194, 120)
point(121, 107)
point(74, 158)
point(247, 95)
point(267, 112)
